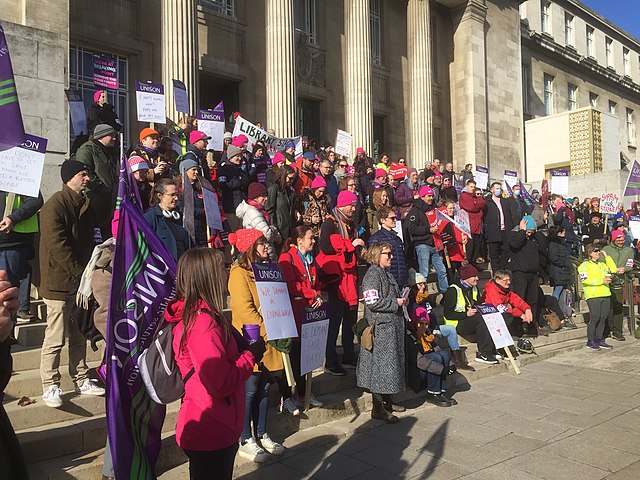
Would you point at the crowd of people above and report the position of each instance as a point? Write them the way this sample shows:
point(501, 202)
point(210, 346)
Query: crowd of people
point(320, 217)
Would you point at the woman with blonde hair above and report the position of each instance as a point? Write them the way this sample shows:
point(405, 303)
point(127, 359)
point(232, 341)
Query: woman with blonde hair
point(382, 370)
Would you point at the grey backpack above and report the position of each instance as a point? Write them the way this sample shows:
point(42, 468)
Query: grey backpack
point(158, 369)
point(566, 302)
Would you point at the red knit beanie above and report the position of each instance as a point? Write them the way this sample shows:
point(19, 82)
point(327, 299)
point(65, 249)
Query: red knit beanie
point(244, 238)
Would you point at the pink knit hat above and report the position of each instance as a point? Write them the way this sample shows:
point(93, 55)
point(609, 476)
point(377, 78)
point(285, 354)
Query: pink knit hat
point(420, 315)
point(136, 163)
point(278, 158)
point(239, 140)
point(96, 96)
point(425, 191)
point(616, 234)
point(318, 182)
point(381, 172)
point(346, 198)
point(244, 238)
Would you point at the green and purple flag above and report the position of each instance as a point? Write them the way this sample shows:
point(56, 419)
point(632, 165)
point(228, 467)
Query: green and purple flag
point(12, 131)
point(526, 196)
point(632, 187)
point(143, 283)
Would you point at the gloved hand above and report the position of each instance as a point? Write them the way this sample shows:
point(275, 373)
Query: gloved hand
point(258, 348)
point(282, 345)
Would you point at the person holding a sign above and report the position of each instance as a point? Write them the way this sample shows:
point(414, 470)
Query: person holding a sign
point(382, 370)
point(246, 310)
point(596, 275)
point(593, 232)
point(101, 111)
point(623, 258)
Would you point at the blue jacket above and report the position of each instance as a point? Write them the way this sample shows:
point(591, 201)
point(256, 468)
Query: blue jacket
point(398, 264)
point(173, 235)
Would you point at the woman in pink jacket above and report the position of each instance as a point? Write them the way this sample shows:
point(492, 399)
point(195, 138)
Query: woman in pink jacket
point(208, 351)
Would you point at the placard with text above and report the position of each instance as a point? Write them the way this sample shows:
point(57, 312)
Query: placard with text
point(275, 303)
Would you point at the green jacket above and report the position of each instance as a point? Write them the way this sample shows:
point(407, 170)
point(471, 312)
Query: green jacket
point(592, 276)
point(623, 258)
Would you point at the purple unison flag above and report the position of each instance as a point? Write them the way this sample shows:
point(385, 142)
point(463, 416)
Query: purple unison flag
point(143, 283)
point(12, 131)
point(633, 181)
point(526, 196)
point(127, 186)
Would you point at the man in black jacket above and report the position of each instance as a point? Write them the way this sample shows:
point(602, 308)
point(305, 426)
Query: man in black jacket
point(495, 228)
point(234, 183)
point(517, 208)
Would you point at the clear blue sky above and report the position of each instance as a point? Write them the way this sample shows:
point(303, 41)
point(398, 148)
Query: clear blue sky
point(624, 13)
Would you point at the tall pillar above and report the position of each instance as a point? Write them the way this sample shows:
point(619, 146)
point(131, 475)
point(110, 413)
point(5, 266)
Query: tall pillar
point(281, 68)
point(419, 58)
point(180, 58)
point(469, 85)
point(357, 75)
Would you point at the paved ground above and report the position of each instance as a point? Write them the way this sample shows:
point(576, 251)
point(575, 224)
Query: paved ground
point(576, 416)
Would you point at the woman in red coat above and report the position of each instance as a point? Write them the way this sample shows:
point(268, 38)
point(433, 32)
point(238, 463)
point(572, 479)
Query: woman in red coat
point(454, 240)
point(300, 272)
point(205, 347)
point(471, 201)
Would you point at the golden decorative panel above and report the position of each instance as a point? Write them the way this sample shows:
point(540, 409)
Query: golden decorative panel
point(585, 142)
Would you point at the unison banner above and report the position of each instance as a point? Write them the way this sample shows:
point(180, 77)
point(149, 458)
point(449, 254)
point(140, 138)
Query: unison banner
point(12, 132)
point(274, 144)
point(633, 181)
point(105, 72)
point(143, 283)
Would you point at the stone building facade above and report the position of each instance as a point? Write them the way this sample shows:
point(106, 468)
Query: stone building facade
point(415, 78)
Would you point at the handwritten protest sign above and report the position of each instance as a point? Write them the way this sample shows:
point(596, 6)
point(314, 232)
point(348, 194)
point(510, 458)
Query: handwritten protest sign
point(560, 182)
point(609, 203)
point(482, 177)
point(274, 301)
point(313, 338)
point(180, 96)
point(344, 140)
point(150, 102)
point(495, 323)
point(21, 167)
point(463, 227)
point(211, 122)
point(273, 144)
point(77, 112)
point(105, 72)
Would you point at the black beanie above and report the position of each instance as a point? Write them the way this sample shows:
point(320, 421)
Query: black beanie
point(70, 168)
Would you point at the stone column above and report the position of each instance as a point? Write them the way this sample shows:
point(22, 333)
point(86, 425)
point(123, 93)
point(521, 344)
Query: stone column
point(357, 75)
point(469, 85)
point(281, 68)
point(180, 58)
point(420, 134)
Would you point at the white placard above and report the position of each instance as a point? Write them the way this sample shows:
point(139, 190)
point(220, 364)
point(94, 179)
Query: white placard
point(510, 178)
point(495, 323)
point(344, 140)
point(150, 102)
point(275, 304)
point(77, 112)
point(313, 339)
point(609, 203)
point(481, 177)
point(461, 219)
point(181, 97)
point(560, 182)
point(21, 167)
point(634, 226)
point(212, 124)
point(273, 144)
point(398, 229)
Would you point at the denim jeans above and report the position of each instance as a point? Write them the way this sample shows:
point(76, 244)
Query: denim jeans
point(13, 260)
point(449, 332)
point(426, 254)
point(437, 383)
point(256, 406)
point(557, 290)
point(340, 313)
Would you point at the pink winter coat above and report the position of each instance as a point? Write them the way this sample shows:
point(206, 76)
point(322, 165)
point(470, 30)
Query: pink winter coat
point(212, 412)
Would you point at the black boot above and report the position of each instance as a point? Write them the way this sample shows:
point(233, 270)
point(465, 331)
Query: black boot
point(391, 407)
point(379, 412)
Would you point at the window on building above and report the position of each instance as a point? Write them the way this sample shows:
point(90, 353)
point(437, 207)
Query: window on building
point(305, 19)
point(568, 29)
point(223, 7)
point(308, 118)
point(526, 87)
point(593, 100)
point(81, 78)
point(612, 107)
point(572, 102)
point(545, 16)
point(548, 94)
point(626, 62)
point(375, 27)
point(590, 35)
point(631, 133)
point(608, 49)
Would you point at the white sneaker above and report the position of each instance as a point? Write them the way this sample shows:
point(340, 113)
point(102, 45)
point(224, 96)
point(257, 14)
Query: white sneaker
point(270, 446)
point(89, 387)
point(252, 451)
point(313, 401)
point(289, 407)
point(51, 397)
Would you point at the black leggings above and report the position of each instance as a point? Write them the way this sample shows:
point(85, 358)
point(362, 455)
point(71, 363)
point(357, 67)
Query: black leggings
point(204, 465)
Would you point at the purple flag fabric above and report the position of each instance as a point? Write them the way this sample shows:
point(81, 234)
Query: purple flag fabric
point(12, 131)
point(526, 196)
point(143, 282)
point(127, 186)
point(633, 181)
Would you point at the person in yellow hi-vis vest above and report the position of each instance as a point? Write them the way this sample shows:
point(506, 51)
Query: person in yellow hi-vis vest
point(18, 227)
point(596, 274)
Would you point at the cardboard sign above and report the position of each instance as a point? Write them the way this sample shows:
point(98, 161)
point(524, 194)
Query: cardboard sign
point(634, 226)
point(344, 141)
point(212, 123)
point(482, 177)
point(275, 304)
point(21, 167)
point(462, 221)
point(274, 144)
point(463, 227)
point(313, 338)
point(560, 182)
point(609, 203)
point(150, 102)
point(105, 72)
point(77, 112)
point(495, 323)
point(510, 178)
point(181, 97)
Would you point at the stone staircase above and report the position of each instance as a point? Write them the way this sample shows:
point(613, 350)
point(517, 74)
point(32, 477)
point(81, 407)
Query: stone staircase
point(68, 443)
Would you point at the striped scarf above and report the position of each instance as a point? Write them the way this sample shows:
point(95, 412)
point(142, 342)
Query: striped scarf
point(345, 224)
